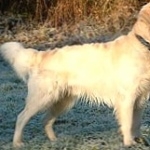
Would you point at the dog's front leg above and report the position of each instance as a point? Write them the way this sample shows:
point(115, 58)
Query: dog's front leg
point(125, 118)
point(137, 115)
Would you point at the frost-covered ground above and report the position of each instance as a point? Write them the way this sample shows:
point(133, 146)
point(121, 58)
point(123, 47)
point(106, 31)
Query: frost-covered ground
point(83, 128)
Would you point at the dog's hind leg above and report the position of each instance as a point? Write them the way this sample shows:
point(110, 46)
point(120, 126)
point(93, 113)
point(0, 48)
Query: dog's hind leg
point(39, 98)
point(22, 120)
point(55, 110)
point(32, 107)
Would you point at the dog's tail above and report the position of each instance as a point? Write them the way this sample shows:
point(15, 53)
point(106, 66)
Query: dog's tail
point(18, 57)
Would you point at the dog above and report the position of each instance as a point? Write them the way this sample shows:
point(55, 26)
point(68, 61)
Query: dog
point(116, 73)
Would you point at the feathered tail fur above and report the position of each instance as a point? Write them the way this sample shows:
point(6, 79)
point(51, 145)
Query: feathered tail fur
point(18, 57)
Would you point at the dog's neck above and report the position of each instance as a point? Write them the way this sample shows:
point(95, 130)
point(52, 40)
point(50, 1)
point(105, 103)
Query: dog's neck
point(143, 41)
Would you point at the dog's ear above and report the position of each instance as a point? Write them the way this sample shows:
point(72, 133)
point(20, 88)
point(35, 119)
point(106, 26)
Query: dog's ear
point(144, 14)
point(142, 25)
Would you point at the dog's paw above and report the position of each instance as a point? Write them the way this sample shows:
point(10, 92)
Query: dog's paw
point(18, 144)
point(129, 143)
point(53, 139)
point(142, 140)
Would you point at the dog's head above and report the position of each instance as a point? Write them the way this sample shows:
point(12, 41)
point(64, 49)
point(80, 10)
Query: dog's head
point(142, 25)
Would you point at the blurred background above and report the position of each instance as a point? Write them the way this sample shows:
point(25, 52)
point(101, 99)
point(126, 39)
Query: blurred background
point(81, 21)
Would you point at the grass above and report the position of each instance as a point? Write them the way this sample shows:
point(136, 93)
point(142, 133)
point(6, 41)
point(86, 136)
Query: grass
point(60, 12)
point(59, 22)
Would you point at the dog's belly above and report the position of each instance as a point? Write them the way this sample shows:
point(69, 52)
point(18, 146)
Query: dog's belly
point(97, 89)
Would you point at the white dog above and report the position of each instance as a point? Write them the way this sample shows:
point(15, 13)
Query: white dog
point(116, 73)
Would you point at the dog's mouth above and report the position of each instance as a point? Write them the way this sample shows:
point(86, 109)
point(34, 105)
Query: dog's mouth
point(143, 41)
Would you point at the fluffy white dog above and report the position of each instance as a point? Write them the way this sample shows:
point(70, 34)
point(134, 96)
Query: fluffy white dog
point(116, 73)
